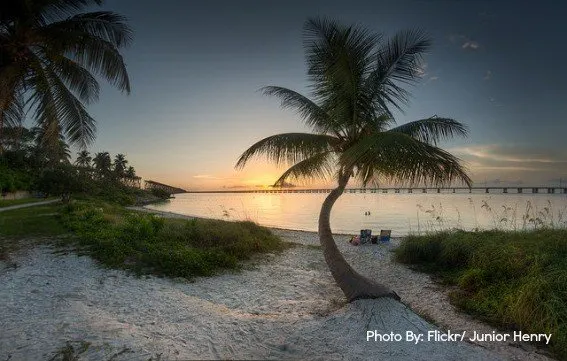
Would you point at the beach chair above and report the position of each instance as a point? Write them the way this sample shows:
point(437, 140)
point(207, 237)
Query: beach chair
point(385, 235)
point(365, 235)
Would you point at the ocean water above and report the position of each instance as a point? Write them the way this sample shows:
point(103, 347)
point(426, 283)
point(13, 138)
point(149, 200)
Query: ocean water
point(402, 213)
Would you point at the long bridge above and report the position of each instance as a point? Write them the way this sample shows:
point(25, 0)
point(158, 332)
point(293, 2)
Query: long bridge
point(408, 190)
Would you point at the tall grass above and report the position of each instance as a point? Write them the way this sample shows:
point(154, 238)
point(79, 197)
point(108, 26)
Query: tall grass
point(515, 217)
point(146, 243)
point(513, 279)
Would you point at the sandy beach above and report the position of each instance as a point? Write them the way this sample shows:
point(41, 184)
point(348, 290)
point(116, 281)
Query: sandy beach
point(283, 306)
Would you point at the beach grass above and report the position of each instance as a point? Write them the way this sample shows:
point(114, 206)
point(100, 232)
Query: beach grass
point(148, 244)
point(141, 242)
point(512, 279)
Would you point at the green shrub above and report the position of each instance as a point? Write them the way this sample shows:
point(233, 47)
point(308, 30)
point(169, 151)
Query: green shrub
point(172, 247)
point(511, 279)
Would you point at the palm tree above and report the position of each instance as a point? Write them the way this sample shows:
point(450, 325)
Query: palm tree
point(84, 159)
point(355, 79)
point(48, 55)
point(51, 153)
point(120, 163)
point(132, 179)
point(102, 164)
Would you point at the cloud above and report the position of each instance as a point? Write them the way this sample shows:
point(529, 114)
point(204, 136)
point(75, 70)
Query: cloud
point(207, 176)
point(513, 163)
point(433, 78)
point(472, 45)
point(488, 75)
point(465, 42)
point(422, 70)
point(512, 154)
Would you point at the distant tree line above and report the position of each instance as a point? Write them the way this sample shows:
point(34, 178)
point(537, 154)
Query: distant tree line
point(28, 163)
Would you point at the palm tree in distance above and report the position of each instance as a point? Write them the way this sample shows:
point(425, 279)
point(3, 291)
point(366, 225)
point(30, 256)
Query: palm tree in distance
point(48, 55)
point(84, 159)
point(103, 165)
point(132, 179)
point(355, 79)
point(120, 163)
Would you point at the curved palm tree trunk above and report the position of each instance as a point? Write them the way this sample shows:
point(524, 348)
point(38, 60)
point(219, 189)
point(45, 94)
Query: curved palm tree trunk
point(353, 285)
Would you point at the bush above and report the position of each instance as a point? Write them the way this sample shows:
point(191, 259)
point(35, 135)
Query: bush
point(511, 279)
point(172, 247)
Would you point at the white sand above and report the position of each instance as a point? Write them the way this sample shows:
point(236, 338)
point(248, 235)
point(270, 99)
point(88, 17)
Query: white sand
point(282, 307)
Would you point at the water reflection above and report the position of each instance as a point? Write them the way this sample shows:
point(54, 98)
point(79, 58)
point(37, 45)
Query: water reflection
point(402, 213)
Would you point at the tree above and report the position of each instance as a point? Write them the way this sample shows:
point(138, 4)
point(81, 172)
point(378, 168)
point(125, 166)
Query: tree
point(61, 180)
point(132, 179)
point(103, 165)
point(120, 163)
point(48, 55)
point(84, 159)
point(355, 79)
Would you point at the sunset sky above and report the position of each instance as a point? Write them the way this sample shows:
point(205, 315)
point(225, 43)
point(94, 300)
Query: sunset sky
point(196, 67)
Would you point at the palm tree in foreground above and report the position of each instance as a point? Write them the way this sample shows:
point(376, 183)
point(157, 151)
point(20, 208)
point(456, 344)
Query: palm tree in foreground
point(355, 79)
point(48, 55)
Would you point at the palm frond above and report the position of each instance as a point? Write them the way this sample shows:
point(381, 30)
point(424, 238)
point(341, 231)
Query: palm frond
point(432, 130)
point(314, 116)
point(78, 79)
point(56, 9)
point(400, 157)
point(339, 59)
point(319, 166)
point(43, 101)
point(57, 108)
point(11, 93)
point(288, 148)
point(105, 25)
point(398, 60)
point(94, 44)
point(78, 125)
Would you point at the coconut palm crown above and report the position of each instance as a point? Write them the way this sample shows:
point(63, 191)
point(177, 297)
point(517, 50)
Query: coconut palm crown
point(49, 57)
point(356, 79)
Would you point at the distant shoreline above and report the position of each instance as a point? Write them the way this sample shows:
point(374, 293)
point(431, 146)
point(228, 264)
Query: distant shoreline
point(168, 214)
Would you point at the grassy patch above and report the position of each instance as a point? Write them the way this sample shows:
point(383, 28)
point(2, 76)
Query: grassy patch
point(14, 202)
point(511, 279)
point(146, 243)
point(27, 223)
point(31, 221)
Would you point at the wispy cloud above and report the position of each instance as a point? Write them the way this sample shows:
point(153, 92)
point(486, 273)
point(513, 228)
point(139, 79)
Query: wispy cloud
point(207, 176)
point(422, 70)
point(488, 75)
point(433, 78)
point(464, 41)
point(513, 163)
point(511, 154)
point(472, 45)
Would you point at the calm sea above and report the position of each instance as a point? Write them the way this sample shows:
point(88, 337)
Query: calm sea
point(402, 213)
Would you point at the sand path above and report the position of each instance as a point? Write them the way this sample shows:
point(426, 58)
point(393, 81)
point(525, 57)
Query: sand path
point(284, 306)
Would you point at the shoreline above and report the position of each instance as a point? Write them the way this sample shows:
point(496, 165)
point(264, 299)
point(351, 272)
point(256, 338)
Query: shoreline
point(168, 214)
